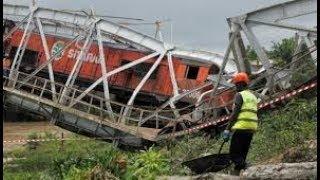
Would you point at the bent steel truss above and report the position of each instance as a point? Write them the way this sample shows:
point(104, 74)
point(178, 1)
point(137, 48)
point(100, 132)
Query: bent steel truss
point(66, 98)
point(272, 16)
point(84, 110)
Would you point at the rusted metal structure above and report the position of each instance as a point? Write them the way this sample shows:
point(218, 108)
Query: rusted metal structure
point(92, 111)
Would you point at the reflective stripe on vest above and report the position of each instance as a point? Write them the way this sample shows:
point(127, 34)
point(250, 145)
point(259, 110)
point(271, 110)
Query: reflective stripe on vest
point(247, 118)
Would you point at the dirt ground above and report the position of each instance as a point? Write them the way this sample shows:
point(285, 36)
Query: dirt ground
point(21, 130)
point(306, 152)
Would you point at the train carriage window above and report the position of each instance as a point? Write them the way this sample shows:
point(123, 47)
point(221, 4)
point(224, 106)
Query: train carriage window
point(142, 69)
point(214, 69)
point(192, 72)
point(29, 58)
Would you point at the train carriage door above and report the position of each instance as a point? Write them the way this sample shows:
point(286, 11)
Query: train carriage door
point(29, 60)
point(190, 77)
point(192, 72)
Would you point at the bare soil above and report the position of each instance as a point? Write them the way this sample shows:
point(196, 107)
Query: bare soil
point(21, 130)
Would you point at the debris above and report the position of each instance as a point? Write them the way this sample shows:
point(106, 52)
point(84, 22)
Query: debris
point(305, 170)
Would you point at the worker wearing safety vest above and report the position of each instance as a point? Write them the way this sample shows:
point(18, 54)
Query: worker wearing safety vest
point(243, 122)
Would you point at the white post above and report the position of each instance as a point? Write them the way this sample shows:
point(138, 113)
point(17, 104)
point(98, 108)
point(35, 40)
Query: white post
point(142, 82)
point(104, 76)
point(225, 60)
point(174, 84)
point(238, 53)
point(260, 53)
point(298, 42)
point(104, 71)
point(257, 47)
point(47, 62)
point(310, 44)
point(20, 46)
point(172, 100)
point(46, 51)
point(172, 75)
point(76, 67)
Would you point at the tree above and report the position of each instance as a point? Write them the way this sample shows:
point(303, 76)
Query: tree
point(282, 51)
point(251, 55)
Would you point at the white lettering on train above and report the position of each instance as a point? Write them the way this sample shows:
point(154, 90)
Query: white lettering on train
point(90, 57)
point(57, 50)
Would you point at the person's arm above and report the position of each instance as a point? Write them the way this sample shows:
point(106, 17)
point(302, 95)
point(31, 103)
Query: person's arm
point(236, 110)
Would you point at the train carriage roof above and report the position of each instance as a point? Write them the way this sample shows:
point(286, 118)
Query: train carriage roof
point(129, 38)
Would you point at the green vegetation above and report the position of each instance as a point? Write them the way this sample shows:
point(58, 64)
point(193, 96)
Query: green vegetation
point(147, 165)
point(284, 128)
point(251, 54)
point(279, 131)
point(282, 51)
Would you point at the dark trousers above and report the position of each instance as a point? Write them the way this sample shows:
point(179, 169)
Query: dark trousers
point(239, 147)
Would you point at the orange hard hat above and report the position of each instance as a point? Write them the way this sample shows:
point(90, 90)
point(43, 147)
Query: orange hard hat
point(240, 77)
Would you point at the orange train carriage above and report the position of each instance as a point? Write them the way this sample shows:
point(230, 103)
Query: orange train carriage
point(157, 88)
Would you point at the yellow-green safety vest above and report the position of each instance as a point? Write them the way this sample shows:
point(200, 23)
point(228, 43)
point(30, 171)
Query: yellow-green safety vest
point(247, 118)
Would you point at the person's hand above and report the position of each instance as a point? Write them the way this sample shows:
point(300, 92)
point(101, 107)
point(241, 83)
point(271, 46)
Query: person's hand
point(226, 135)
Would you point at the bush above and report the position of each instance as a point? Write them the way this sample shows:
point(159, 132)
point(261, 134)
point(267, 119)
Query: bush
point(147, 165)
point(284, 128)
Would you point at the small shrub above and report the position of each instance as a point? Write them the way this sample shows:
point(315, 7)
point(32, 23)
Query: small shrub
point(147, 165)
point(33, 145)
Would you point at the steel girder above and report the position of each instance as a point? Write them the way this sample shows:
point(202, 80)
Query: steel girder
point(72, 23)
point(82, 20)
point(271, 16)
point(69, 25)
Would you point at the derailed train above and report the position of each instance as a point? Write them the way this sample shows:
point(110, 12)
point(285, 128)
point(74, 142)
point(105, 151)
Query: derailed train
point(189, 73)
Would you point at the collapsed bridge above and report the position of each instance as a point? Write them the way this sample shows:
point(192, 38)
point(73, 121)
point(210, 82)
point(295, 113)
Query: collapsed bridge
point(92, 91)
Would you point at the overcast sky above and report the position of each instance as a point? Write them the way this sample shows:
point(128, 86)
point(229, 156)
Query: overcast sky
point(198, 24)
